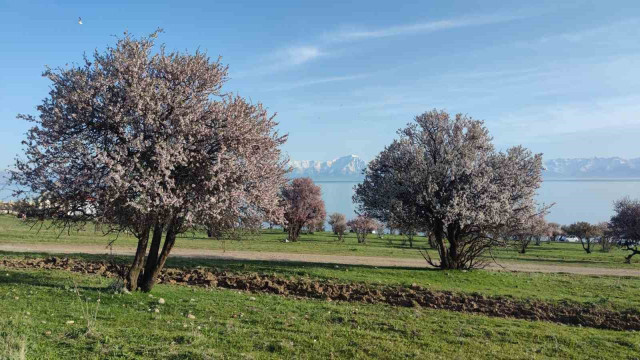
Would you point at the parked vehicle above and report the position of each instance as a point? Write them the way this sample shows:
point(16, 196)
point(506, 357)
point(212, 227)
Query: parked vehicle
point(571, 239)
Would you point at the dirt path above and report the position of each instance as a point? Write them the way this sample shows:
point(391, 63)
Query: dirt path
point(312, 258)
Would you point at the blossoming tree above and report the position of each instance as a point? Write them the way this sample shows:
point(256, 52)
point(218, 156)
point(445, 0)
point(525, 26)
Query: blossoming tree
point(142, 139)
point(303, 206)
point(444, 176)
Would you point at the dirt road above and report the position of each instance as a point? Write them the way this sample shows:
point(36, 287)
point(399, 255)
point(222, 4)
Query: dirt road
point(313, 258)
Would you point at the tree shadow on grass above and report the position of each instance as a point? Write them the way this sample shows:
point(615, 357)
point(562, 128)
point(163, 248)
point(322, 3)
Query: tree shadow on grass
point(43, 278)
point(556, 261)
point(219, 264)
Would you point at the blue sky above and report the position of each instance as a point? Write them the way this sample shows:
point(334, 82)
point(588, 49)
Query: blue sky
point(560, 77)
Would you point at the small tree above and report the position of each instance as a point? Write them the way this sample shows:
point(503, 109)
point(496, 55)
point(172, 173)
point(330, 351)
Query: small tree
point(533, 230)
point(340, 229)
point(362, 226)
point(407, 228)
point(607, 238)
point(444, 175)
point(586, 232)
point(555, 231)
point(303, 206)
point(625, 225)
point(338, 223)
point(316, 226)
point(380, 230)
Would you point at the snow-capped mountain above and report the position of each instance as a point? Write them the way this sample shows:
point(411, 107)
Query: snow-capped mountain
point(345, 168)
point(349, 168)
point(594, 168)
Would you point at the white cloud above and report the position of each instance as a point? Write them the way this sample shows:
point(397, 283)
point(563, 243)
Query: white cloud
point(283, 59)
point(298, 55)
point(354, 34)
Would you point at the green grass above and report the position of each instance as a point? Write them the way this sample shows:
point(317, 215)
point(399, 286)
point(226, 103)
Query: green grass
point(36, 305)
point(608, 291)
point(13, 230)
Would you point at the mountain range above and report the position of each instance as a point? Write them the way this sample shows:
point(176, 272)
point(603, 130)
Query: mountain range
point(346, 168)
point(593, 168)
point(349, 168)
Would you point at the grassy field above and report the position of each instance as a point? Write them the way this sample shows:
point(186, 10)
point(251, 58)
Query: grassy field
point(610, 291)
point(36, 308)
point(13, 230)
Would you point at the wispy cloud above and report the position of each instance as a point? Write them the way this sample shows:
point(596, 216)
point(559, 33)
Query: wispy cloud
point(354, 34)
point(624, 32)
point(297, 55)
point(299, 84)
point(545, 120)
point(283, 59)
point(292, 56)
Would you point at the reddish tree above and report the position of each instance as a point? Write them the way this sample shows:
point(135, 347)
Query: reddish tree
point(303, 206)
point(362, 226)
point(143, 140)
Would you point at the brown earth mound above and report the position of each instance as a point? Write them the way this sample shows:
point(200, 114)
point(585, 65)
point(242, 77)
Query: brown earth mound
point(564, 313)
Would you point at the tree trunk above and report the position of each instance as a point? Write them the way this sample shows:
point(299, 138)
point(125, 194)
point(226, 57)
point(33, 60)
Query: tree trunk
point(628, 257)
point(152, 257)
point(294, 232)
point(131, 281)
point(442, 248)
point(586, 245)
point(452, 237)
point(524, 243)
point(523, 248)
point(152, 270)
point(432, 242)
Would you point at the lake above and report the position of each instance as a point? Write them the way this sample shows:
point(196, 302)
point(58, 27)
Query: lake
point(575, 200)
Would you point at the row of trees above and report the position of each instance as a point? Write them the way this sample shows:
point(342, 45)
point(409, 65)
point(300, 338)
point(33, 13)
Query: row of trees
point(622, 229)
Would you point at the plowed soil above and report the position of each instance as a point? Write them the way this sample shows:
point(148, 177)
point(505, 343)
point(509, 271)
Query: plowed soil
point(414, 296)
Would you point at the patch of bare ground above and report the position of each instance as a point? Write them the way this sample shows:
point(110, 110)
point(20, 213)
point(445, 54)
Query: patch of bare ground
point(413, 296)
